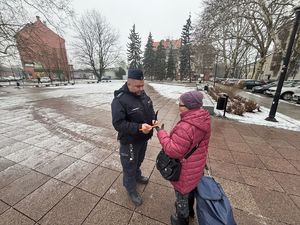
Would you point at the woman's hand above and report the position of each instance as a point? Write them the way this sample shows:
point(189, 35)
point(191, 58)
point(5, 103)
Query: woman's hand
point(160, 128)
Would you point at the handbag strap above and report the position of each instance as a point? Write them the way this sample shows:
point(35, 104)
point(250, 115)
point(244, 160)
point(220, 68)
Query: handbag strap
point(191, 152)
point(207, 170)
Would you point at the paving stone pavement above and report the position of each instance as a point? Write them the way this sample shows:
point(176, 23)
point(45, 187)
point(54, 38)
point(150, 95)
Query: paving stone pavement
point(59, 164)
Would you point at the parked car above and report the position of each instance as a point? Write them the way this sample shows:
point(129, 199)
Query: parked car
point(287, 91)
point(106, 79)
point(296, 98)
point(230, 81)
point(249, 84)
point(45, 79)
point(220, 79)
point(263, 88)
point(9, 78)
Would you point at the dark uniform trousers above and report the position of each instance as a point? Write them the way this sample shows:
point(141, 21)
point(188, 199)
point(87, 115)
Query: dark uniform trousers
point(132, 156)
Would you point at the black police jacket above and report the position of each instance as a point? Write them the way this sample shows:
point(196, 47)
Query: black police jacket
point(129, 112)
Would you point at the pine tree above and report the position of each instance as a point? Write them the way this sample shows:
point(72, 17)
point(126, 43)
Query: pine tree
point(186, 51)
point(171, 67)
point(134, 50)
point(160, 65)
point(149, 58)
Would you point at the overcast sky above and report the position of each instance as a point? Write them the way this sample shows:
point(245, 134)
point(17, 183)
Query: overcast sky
point(163, 18)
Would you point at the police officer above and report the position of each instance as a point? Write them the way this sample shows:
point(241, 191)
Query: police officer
point(132, 116)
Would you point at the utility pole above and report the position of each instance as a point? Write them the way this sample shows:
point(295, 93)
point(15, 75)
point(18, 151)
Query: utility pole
point(284, 67)
point(216, 69)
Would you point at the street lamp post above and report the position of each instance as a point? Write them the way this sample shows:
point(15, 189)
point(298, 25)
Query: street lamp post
point(216, 69)
point(284, 67)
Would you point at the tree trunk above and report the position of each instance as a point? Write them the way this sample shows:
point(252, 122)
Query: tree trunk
point(259, 70)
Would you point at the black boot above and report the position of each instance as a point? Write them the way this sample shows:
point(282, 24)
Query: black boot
point(192, 213)
point(191, 209)
point(179, 221)
point(135, 198)
point(191, 204)
point(143, 180)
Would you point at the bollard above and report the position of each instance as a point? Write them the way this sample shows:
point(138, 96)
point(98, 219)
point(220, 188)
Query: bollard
point(221, 102)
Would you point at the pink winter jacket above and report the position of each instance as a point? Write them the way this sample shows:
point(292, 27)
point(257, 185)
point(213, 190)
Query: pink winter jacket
point(193, 128)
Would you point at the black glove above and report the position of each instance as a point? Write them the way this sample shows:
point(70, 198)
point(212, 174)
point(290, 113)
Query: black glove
point(160, 128)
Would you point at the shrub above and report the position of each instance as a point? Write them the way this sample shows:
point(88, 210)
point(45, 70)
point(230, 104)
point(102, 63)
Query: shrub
point(250, 105)
point(238, 108)
point(212, 92)
point(236, 104)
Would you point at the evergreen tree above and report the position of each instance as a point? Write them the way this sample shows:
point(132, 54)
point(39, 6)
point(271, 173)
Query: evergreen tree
point(186, 51)
point(171, 67)
point(134, 50)
point(160, 65)
point(120, 73)
point(149, 58)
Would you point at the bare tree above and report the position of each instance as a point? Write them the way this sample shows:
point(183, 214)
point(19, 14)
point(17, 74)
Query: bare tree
point(222, 29)
point(265, 18)
point(96, 43)
point(14, 14)
point(238, 25)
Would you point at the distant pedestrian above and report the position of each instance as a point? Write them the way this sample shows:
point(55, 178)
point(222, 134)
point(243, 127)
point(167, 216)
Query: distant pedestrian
point(132, 117)
point(39, 78)
point(193, 129)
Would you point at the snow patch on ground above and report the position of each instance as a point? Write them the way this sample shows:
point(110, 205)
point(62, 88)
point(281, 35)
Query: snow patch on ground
point(258, 118)
point(171, 91)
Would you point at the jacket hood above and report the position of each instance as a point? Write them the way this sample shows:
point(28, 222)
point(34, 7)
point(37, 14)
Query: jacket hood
point(123, 89)
point(199, 118)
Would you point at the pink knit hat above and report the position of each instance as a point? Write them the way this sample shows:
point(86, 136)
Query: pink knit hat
point(192, 99)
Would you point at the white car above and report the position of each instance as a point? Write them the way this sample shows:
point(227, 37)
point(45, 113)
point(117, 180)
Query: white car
point(286, 91)
point(296, 96)
point(45, 79)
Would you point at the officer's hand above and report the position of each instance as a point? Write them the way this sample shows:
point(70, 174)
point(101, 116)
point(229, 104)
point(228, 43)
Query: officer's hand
point(154, 122)
point(146, 128)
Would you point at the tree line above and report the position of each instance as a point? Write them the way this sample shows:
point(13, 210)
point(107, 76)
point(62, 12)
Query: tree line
point(233, 33)
point(244, 31)
point(161, 62)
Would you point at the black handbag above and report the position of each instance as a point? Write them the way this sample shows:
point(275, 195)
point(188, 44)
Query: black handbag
point(168, 167)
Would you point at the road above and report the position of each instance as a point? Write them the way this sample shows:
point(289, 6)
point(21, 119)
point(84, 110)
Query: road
point(284, 107)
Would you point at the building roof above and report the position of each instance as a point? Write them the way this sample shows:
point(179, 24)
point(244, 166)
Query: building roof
point(168, 43)
point(37, 25)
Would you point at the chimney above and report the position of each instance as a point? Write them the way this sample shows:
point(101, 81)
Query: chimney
point(37, 18)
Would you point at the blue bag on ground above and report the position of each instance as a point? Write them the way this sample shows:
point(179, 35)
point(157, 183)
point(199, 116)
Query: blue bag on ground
point(213, 206)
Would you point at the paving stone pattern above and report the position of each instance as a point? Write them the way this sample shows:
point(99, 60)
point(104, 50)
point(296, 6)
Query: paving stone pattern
point(59, 164)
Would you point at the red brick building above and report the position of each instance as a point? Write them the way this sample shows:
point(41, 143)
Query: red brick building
point(42, 51)
point(175, 44)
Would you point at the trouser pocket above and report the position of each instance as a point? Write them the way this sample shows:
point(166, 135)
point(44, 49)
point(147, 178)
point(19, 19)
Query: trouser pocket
point(129, 165)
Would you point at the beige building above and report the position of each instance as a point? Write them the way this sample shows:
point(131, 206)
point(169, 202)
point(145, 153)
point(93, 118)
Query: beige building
point(267, 72)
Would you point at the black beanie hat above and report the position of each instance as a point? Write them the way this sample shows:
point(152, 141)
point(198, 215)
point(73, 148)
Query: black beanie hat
point(135, 74)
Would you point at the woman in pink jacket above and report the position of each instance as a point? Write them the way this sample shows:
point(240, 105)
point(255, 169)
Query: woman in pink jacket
point(192, 129)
